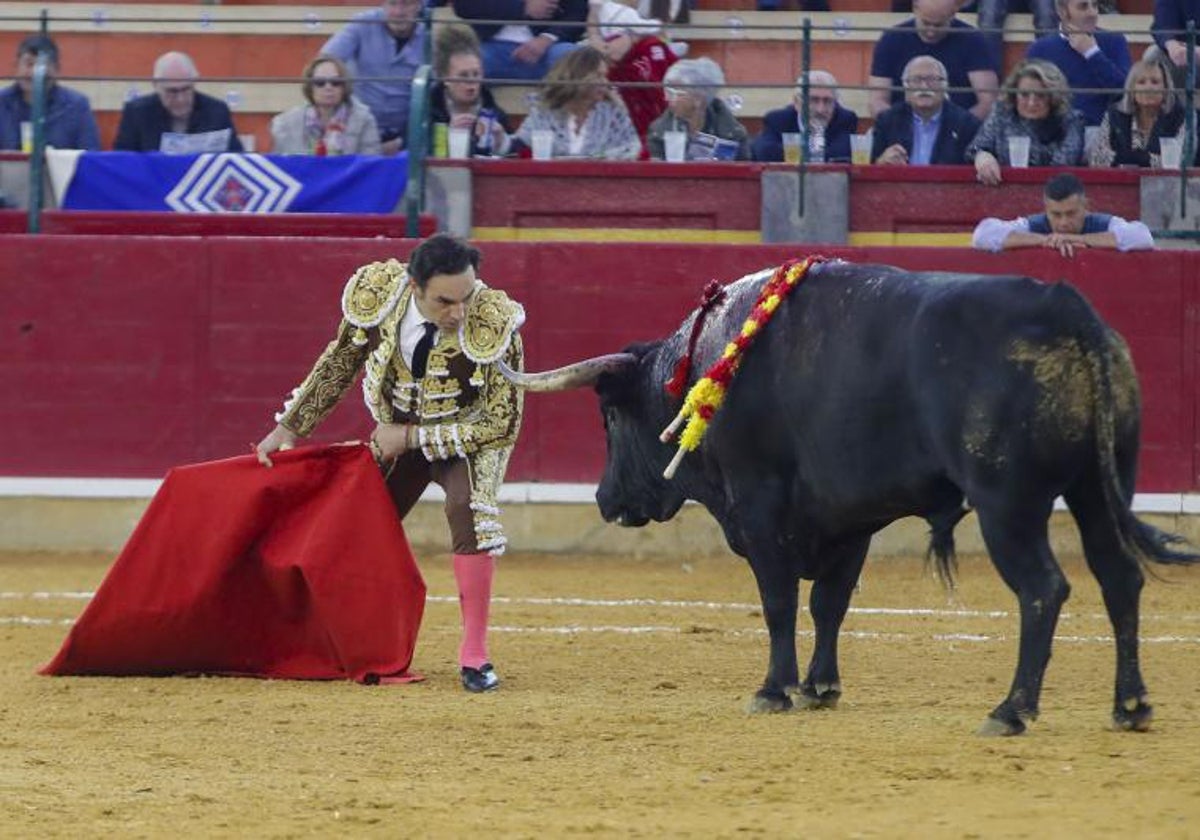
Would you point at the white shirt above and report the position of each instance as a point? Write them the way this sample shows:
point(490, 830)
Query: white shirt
point(412, 327)
point(990, 234)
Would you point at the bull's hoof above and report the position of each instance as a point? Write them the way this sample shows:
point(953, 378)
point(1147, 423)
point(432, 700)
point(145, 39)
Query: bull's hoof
point(819, 696)
point(764, 702)
point(1133, 715)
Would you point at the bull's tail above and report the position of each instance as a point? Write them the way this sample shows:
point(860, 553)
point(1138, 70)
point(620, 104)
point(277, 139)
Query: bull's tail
point(1140, 540)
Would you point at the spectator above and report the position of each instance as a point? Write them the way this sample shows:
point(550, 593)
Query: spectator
point(1036, 104)
point(332, 123)
point(926, 128)
point(384, 47)
point(176, 118)
point(578, 105)
point(934, 30)
point(1066, 225)
point(1149, 111)
point(534, 36)
point(1090, 58)
point(459, 98)
point(1169, 28)
point(693, 106)
point(827, 119)
point(993, 13)
point(636, 57)
point(69, 122)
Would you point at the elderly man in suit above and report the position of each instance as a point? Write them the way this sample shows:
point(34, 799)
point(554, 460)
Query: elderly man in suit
point(827, 119)
point(927, 127)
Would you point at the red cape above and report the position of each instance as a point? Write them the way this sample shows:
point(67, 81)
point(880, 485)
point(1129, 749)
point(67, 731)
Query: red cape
point(301, 571)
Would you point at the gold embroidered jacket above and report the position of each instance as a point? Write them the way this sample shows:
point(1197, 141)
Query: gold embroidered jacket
point(463, 407)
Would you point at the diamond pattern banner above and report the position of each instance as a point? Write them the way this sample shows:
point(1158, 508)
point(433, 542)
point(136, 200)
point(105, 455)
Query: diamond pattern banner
point(232, 183)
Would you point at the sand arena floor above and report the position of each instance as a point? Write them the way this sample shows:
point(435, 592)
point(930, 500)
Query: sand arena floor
point(621, 714)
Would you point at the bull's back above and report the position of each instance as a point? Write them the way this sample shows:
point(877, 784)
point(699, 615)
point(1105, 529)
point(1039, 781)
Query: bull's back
point(898, 380)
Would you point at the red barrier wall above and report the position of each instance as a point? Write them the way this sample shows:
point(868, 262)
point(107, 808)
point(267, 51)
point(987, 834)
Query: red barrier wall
point(123, 356)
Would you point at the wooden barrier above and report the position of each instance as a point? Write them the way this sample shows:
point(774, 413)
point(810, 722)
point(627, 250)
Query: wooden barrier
point(125, 355)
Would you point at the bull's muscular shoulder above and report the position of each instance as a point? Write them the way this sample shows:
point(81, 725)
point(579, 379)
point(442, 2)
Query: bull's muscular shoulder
point(372, 291)
point(492, 318)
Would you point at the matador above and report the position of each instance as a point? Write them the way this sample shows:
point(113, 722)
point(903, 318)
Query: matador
point(427, 336)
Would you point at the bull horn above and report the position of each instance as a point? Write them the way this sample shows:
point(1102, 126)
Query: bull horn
point(578, 375)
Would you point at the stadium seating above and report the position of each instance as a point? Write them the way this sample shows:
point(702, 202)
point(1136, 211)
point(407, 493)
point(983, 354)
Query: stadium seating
point(251, 53)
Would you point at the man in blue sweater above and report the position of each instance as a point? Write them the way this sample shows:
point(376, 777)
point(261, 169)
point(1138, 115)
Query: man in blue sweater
point(1090, 58)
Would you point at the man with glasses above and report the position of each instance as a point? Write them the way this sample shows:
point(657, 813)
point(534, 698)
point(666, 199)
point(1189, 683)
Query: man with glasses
point(934, 30)
point(384, 47)
point(176, 118)
point(1095, 62)
point(69, 122)
point(926, 128)
point(825, 115)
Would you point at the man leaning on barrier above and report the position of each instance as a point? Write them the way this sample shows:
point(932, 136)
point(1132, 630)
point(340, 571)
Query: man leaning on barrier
point(1066, 225)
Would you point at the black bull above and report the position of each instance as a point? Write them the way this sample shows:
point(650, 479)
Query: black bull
point(874, 394)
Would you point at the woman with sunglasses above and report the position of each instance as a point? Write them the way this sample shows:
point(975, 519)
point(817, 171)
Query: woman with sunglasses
point(332, 123)
point(1035, 103)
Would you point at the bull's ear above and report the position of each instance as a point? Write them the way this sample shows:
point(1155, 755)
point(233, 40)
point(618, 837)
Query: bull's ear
point(577, 375)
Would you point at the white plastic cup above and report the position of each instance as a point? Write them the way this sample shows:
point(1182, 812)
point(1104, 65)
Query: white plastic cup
point(543, 144)
point(249, 142)
point(26, 137)
point(459, 142)
point(1018, 152)
point(1091, 136)
point(675, 146)
point(1171, 152)
point(860, 149)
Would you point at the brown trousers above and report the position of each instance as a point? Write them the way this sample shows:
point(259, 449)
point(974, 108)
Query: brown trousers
point(412, 474)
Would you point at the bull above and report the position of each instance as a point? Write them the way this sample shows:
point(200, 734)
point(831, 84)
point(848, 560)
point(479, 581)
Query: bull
point(874, 394)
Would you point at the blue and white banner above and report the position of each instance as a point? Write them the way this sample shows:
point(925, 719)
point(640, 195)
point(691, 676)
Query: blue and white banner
point(227, 183)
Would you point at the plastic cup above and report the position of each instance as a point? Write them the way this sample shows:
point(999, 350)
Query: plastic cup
point(860, 149)
point(1171, 152)
point(26, 137)
point(543, 144)
point(675, 146)
point(1018, 152)
point(459, 142)
point(791, 147)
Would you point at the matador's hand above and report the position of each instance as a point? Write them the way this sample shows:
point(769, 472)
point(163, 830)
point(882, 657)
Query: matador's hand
point(280, 438)
point(393, 440)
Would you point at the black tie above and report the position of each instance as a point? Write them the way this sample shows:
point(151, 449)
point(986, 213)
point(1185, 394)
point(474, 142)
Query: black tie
point(421, 352)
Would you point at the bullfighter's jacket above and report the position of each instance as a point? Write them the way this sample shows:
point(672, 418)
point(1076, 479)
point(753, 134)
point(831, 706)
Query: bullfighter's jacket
point(463, 406)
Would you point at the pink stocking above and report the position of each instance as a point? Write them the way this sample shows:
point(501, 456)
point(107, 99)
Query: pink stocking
point(473, 572)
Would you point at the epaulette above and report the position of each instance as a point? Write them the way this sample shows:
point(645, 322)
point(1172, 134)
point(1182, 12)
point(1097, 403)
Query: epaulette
point(491, 320)
point(371, 293)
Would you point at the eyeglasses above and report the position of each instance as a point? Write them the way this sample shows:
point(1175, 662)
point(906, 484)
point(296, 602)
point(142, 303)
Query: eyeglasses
point(328, 83)
point(177, 91)
point(925, 80)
